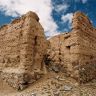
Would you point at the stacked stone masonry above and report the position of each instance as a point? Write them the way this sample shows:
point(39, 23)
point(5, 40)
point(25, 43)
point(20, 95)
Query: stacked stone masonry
point(22, 49)
point(75, 51)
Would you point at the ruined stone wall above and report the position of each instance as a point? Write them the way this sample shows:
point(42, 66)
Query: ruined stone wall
point(65, 51)
point(75, 50)
point(87, 47)
point(22, 49)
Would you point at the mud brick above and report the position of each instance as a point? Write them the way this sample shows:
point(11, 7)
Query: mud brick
point(78, 49)
point(20, 41)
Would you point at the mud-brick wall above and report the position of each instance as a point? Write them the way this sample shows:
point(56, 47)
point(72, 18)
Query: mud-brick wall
point(22, 49)
point(85, 67)
point(54, 49)
point(64, 50)
point(10, 42)
point(76, 50)
point(35, 45)
point(70, 50)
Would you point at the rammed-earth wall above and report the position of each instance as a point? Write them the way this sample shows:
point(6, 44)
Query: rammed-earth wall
point(76, 51)
point(22, 49)
point(86, 63)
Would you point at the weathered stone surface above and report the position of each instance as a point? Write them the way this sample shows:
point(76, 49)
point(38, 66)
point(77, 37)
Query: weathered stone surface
point(22, 47)
point(76, 51)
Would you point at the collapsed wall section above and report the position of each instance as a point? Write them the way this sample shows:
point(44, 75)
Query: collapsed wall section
point(22, 49)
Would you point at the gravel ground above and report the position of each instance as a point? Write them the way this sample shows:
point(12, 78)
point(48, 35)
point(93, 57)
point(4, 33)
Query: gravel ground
point(52, 84)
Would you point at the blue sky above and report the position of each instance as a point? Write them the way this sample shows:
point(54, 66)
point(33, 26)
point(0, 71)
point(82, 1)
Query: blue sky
point(55, 15)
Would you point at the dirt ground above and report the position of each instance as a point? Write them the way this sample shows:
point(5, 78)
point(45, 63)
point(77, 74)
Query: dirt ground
point(52, 84)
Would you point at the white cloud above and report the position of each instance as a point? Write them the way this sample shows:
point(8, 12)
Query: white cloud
point(83, 1)
point(67, 19)
point(42, 7)
point(61, 7)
